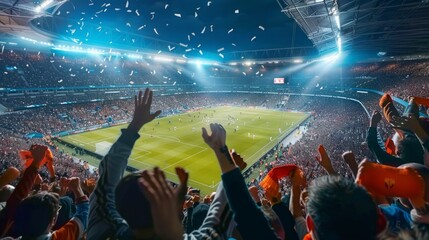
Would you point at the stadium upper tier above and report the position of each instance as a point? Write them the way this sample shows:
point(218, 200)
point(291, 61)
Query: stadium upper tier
point(25, 69)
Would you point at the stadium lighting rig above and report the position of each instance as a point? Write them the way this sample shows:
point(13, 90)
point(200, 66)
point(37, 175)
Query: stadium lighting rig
point(45, 4)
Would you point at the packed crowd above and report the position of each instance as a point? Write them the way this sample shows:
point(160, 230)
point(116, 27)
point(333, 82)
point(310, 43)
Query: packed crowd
point(382, 197)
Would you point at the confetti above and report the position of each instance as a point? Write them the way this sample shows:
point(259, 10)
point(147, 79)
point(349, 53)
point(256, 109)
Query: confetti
point(183, 45)
point(233, 44)
point(131, 82)
point(204, 29)
point(196, 14)
point(189, 38)
point(141, 27)
point(188, 50)
point(153, 15)
point(220, 49)
point(171, 48)
point(137, 12)
point(132, 72)
point(198, 8)
point(156, 31)
point(221, 55)
point(102, 70)
point(244, 73)
point(117, 30)
point(193, 34)
point(199, 45)
point(230, 30)
point(117, 9)
point(174, 83)
point(178, 15)
point(201, 52)
point(262, 28)
point(253, 38)
point(128, 24)
point(237, 11)
point(126, 4)
point(211, 28)
point(60, 81)
point(179, 72)
point(209, 3)
point(166, 6)
point(257, 73)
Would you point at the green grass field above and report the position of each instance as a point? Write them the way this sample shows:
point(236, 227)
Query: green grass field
point(176, 140)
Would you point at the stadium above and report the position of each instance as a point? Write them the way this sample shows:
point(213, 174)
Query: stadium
point(275, 119)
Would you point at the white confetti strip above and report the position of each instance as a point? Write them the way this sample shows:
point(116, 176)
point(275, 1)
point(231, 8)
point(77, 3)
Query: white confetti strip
point(201, 52)
point(253, 38)
point(141, 27)
point(127, 4)
point(204, 30)
point(199, 45)
point(237, 11)
point(220, 49)
point(196, 14)
point(137, 12)
point(221, 55)
point(188, 50)
point(183, 45)
point(262, 28)
point(156, 31)
point(178, 15)
point(211, 28)
point(209, 3)
point(166, 6)
point(230, 30)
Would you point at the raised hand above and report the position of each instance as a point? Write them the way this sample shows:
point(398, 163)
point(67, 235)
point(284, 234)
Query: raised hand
point(181, 190)
point(38, 152)
point(218, 137)
point(163, 204)
point(297, 178)
point(324, 160)
point(217, 141)
point(375, 118)
point(142, 113)
point(350, 159)
point(74, 185)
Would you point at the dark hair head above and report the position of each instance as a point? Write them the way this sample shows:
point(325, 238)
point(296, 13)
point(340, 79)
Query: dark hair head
point(340, 209)
point(35, 213)
point(132, 204)
point(410, 149)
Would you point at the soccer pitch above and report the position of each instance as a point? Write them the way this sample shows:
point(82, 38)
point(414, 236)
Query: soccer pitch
point(176, 140)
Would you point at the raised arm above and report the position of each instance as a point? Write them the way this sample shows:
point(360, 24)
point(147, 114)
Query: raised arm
point(104, 219)
point(325, 161)
point(372, 139)
point(251, 222)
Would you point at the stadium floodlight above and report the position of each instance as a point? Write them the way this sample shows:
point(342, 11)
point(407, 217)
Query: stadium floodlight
point(43, 5)
point(298, 61)
point(339, 45)
point(163, 59)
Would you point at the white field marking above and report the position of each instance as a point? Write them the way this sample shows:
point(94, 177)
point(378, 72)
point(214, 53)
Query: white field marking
point(168, 139)
point(186, 158)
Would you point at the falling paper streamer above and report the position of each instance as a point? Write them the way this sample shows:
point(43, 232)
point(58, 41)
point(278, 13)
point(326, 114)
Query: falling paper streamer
point(233, 44)
point(244, 73)
point(137, 12)
point(153, 15)
point(132, 72)
point(211, 28)
point(178, 15)
point(196, 14)
point(188, 50)
point(199, 45)
point(183, 45)
point(220, 49)
point(230, 30)
point(179, 72)
point(171, 48)
point(253, 38)
point(262, 28)
point(209, 3)
point(193, 34)
point(166, 6)
point(237, 11)
point(204, 29)
point(131, 82)
point(128, 24)
point(160, 51)
point(141, 27)
point(257, 73)
point(126, 4)
point(156, 31)
point(189, 38)
point(174, 83)
point(60, 81)
point(221, 55)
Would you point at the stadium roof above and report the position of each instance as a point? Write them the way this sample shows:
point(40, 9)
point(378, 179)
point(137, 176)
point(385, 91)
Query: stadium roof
point(383, 27)
point(225, 29)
